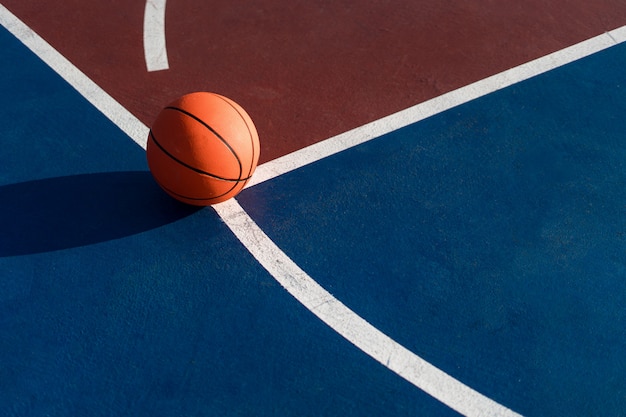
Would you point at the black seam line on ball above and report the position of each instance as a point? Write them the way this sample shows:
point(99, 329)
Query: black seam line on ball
point(205, 124)
point(225, 100)
point(199, 171)
point(208, 199)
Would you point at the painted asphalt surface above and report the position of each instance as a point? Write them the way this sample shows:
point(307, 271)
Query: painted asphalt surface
point(306, 71)
point(172, 316)
point(488, 239)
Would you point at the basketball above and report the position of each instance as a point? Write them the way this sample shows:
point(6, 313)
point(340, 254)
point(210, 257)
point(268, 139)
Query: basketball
point(202, 148)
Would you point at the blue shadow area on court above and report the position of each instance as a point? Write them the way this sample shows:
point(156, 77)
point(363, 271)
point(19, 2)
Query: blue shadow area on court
point(76, 210)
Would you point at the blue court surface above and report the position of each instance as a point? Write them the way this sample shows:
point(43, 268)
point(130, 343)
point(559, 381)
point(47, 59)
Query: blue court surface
point(488, 240)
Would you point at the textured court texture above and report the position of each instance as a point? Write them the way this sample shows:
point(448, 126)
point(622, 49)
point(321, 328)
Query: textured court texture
point(489, 239)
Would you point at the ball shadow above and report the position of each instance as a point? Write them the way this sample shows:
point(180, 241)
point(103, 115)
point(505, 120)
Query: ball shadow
point(67, 212)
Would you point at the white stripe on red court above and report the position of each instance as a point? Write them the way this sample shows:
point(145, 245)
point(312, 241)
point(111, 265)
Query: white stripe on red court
point(311, 70)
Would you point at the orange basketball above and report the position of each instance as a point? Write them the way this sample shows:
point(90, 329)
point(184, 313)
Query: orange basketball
point(202, 148)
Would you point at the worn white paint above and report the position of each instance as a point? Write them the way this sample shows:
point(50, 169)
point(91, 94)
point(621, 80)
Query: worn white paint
point(154, 45)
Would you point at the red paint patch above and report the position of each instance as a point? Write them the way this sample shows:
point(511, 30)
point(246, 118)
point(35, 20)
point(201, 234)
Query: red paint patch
point(308, 71)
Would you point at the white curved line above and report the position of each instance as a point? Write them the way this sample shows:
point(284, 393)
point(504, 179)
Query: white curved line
point(154, 35)
point(350, 325)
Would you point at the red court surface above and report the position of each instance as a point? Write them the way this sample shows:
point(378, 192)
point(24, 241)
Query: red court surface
point(306, 71)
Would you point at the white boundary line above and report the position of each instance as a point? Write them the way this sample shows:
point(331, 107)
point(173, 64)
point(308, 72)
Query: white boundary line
point(117, 113)
point(350, 325)
point(434, 106)
point(321, 303)
point(154, 35)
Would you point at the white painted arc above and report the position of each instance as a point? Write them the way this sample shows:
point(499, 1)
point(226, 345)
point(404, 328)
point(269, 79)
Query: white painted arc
point(154, 45)
point(351, 326)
